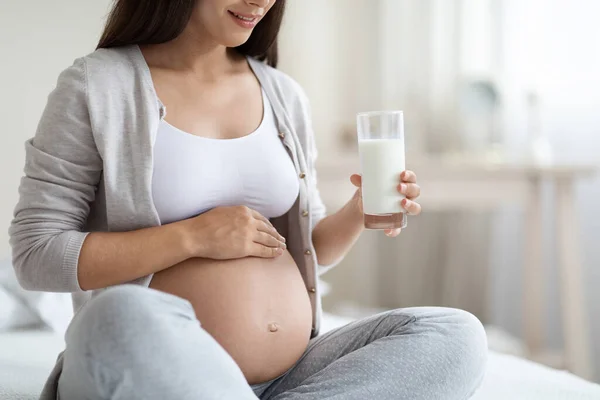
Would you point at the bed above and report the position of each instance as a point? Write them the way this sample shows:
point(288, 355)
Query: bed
point(26, 357)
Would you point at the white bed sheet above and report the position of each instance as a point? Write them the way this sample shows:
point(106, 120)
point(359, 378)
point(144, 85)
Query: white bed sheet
point(27, 357)
point(512, 378)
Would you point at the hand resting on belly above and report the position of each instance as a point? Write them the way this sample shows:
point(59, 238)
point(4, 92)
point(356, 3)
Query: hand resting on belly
point(256, 307)
point(226, 233)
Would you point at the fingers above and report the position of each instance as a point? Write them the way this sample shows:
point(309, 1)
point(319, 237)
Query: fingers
point(264, 225)
point(356, 180)
point(270, 230)
point(258, 250)
point(408, 177)
point(260, 217)
point(410, 190)
point(267, 239)
point(413, 208)
point(392, 232)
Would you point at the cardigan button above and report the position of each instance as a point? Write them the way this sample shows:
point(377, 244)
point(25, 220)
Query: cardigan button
point(302, 175)
point(308, 252)
point(282, 135)
point(312, 290)
point(305, 213)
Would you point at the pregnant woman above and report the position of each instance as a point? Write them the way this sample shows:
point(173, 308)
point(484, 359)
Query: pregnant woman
point(170, 187)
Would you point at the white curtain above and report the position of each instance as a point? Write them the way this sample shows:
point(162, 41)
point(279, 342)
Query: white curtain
point(430, 50)
point(417, 55)
point(362, 55)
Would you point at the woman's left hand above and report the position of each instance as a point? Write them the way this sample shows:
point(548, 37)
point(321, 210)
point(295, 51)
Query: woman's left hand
point(407, 185)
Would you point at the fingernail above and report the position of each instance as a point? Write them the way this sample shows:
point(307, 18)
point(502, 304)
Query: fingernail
point(404, 203)
point(282, 239)
point(402, 188)
point(283, 246)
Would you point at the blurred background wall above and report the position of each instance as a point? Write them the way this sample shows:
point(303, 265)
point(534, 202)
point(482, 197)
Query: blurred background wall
point(34, 48)
point(479, 81)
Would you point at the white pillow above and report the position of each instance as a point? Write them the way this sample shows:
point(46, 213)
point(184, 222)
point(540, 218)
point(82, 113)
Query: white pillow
point(14, 314)
point(20, 308)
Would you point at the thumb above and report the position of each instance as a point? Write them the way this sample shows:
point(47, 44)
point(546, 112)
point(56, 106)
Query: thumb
point(356, 180)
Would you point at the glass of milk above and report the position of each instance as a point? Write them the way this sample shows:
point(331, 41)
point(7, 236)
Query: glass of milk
point(382, 159)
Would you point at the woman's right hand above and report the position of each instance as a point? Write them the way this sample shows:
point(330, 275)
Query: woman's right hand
point(225, 233)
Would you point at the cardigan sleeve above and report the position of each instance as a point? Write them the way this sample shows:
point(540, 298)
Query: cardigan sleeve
point(317, 209)
point(61, 174)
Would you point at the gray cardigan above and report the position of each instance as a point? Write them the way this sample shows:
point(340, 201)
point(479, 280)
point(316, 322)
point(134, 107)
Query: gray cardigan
point(89, 168)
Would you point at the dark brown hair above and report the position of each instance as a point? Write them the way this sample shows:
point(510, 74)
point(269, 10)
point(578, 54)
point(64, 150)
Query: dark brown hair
point(158, 21)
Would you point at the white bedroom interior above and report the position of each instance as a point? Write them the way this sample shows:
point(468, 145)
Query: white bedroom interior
point(484, 84)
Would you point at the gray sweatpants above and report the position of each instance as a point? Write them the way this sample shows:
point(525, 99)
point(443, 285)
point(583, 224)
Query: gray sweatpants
point(133, 343)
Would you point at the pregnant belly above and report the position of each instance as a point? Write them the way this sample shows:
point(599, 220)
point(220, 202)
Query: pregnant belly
point(257, 309)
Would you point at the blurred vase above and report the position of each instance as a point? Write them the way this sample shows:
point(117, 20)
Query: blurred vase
point(479, 107)
point(540, 149)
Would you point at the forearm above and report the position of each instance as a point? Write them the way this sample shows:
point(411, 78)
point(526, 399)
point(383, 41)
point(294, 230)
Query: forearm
point(334, 235)
point(111, 258)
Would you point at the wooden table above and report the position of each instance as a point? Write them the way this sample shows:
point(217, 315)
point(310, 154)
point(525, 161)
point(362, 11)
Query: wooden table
point(460, 185)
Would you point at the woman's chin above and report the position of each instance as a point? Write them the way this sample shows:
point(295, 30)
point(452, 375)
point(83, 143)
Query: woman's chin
point(234, 41)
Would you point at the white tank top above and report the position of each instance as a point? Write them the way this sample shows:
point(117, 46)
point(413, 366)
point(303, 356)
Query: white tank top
point(193, 174)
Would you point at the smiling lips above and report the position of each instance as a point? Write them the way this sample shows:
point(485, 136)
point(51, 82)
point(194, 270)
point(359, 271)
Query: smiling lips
point(245, 21)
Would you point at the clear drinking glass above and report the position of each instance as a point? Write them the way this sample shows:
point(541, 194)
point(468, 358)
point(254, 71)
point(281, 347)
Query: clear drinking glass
point(382, 159)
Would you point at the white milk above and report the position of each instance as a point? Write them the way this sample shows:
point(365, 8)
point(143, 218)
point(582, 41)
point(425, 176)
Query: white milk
point(382, 161)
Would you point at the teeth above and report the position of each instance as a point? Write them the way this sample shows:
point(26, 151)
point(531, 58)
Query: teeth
point(244, 18)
